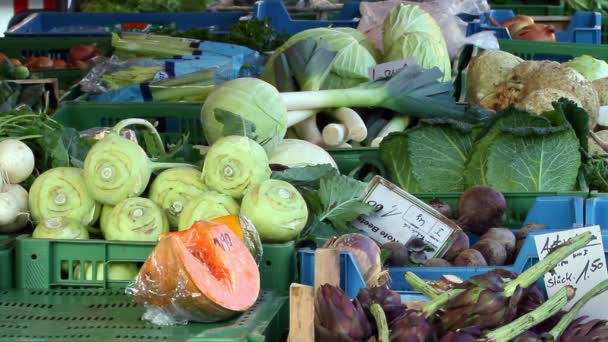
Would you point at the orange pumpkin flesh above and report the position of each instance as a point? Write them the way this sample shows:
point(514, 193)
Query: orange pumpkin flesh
point(233, 222)
point(205, 273)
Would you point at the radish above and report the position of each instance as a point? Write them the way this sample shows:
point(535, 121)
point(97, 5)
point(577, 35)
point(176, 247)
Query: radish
point(17, 196)
point(16, 161)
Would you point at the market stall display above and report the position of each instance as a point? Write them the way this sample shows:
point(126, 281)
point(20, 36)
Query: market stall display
point(191, 175)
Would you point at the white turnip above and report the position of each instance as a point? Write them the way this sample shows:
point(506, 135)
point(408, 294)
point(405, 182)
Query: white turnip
point(16, 161)
point(18, 197)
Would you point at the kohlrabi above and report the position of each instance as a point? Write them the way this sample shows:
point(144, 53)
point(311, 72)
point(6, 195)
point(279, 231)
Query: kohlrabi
point(136, 219)
point(62, 192)
point(277, 210)
point(412, 90)
point(16, 161)
point(117, 271)
point(104, 217)
point(299, 153)
point(60, 228)
point(233, 164)
point(207, 206)
point(116, 168)
point(174, 188)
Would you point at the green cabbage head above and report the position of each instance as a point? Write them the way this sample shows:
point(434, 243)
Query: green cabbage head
point(409, 31)
point(589, 67)
point(355, 54)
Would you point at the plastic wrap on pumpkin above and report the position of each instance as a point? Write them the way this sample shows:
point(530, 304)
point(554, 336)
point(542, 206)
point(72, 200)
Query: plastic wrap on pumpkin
point(203, 274)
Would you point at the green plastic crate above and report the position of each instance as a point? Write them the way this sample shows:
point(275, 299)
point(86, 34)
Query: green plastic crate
point(54, 47)
point(604, 29)
point(7, 258)
point(531, 7)
point(38, 262)
point(110, 315)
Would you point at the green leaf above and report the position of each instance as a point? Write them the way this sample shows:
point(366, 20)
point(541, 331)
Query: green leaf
point(305, 176)
point(535, 163)
point(578, 119)
point(318, 232)
point(395, 156)
point(65, 148)
point(341, 202)
point(310, 62)
point(237, 125)
point(440, 153)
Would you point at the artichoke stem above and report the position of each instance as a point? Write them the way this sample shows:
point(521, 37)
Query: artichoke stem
point(565, 321)
point(380, 318)
point(420, 285)
point(438, 302)
point(547, 309)
point(532, 274)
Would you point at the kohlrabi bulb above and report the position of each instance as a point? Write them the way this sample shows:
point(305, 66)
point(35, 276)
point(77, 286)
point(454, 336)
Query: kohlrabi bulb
point(233, 164)
point(277, 210)
point(253, 100)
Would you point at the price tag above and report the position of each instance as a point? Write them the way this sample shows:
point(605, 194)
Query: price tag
point(399, 216)
point(388, 70)
point(583, 270)
point(159, 76)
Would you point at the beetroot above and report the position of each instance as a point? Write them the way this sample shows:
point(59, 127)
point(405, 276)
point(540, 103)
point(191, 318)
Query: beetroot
point(481, 208)
point(460, 244)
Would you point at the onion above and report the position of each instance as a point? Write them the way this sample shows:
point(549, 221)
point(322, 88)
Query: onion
point(15, 62)
point(42, 63)
point(80, 65)
point(83, 52)
point(59, 64)
point(537, 32)
point(366, 253)
point(514, 24)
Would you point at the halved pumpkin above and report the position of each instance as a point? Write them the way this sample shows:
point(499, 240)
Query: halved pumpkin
point(203, 274)
point(245, 230)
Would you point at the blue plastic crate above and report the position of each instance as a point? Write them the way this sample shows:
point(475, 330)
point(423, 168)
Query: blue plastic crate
point(97, 24)
point(353, 280)
point(348, 16)
point(281, 21)
point(584, 27)
point(557, 213)
point(596, 212)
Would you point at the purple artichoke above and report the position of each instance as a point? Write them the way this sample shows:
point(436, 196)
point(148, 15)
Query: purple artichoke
point(410, 327)
point(389, 300)
point(528, 336)
point(483, 304)
point(337, 319)
point(595, 330)
point(458, 336)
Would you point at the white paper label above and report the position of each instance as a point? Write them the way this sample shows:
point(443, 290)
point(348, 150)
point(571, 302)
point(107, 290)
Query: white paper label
point(583, 270)
point(399, 216)
point(159, 76)
point(388, 70)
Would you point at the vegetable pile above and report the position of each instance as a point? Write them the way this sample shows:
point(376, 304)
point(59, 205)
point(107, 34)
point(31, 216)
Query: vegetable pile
point(497, 306)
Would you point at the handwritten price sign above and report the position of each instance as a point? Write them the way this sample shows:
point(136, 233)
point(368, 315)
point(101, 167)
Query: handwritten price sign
point(584, 269)
point(387, 70)
point(399, 216)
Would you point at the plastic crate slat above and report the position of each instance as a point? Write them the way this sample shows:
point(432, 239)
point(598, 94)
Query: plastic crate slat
point(82, 315)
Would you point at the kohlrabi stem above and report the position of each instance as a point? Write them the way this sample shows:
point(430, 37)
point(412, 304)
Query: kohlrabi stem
point(532, 274)
point(297, 116)
point(335, 98)
point(420, 285)
point(438, 302)
point(381, 323)
point(128, 122)
point(565, 321)
point(549, 308)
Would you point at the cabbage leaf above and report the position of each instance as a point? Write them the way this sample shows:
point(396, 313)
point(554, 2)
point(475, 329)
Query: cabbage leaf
point(515, 152)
